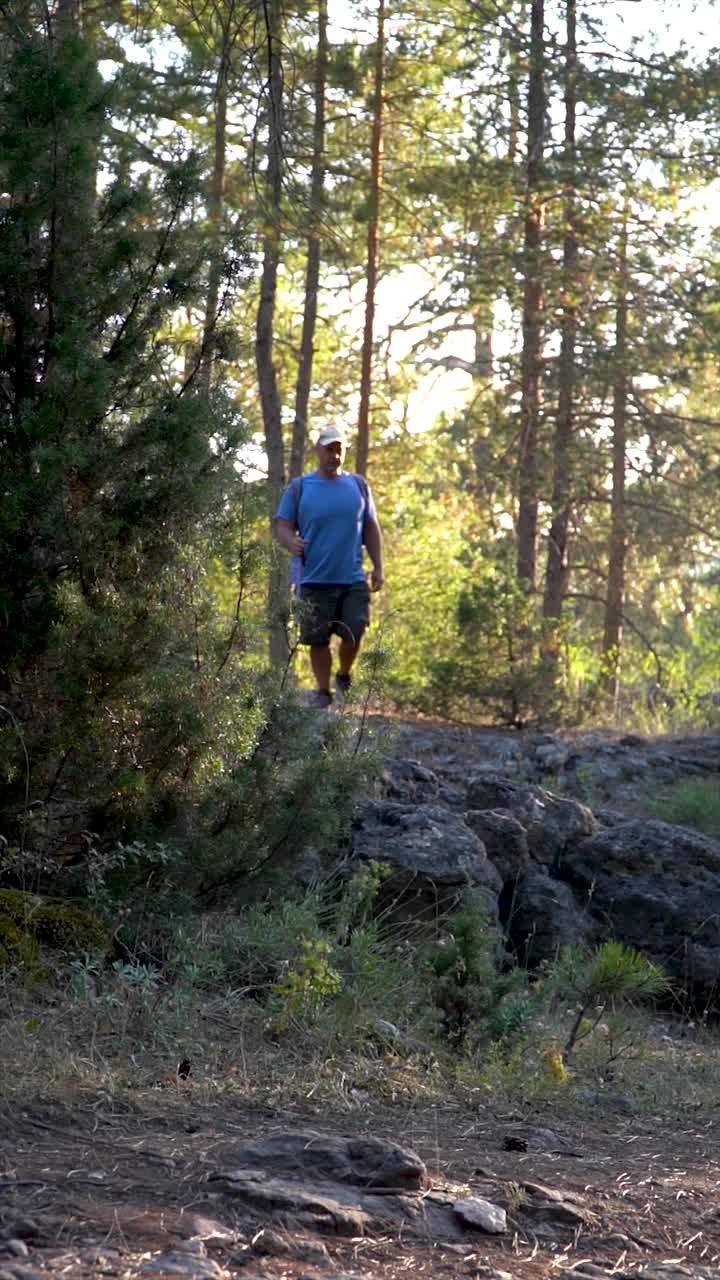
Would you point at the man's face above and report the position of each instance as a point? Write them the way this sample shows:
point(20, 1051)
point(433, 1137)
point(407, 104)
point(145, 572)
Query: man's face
point(331, 456)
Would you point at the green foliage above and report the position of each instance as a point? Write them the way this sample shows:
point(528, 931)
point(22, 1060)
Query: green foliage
point(692, 802)
point(479, 1003)
point(16, 948)
point(117, 462)
point(30, 924)
point(63, 926)
point(494, 666)
point(307, 984)
point(359, 898)
point(613, 974)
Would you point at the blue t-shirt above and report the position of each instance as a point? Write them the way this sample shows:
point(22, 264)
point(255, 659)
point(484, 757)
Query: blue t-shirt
point(331, 516)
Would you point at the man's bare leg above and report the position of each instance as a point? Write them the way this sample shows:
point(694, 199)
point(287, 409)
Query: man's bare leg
point(321, 663)
point(347, 653)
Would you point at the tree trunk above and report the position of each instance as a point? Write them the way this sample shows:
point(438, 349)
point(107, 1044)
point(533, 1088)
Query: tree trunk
point(514, 96)
point(216, 201)
point(532, 310)
point(617, 550)
point(278, 587)
point(312, 272)
point(376, 176)
point(558, 564)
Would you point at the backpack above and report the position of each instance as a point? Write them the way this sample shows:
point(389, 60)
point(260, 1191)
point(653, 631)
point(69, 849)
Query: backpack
point(296, 488)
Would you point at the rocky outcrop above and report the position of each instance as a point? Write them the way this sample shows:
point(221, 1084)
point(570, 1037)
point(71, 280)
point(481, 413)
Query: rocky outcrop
point(345, 1187)
point(552, 823)
point(656, 887)
point(544, 917)
point(553, 869)
point(433, 855)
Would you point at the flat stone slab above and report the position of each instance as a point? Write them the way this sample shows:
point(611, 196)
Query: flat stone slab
point(362, 1162)
point(483, 1214)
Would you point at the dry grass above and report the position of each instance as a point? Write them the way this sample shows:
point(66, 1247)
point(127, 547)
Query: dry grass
point(120, 1039)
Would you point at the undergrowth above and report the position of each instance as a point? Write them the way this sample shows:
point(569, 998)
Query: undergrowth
point(321, 997)
point(692, 802)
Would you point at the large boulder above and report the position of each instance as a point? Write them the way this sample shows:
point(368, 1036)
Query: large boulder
point(504, 839)
point(656, 887)
point(552, 823)
point(544, 917)
point(433, 855)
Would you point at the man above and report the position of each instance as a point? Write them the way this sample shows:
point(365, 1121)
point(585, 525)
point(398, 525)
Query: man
point(324, 519)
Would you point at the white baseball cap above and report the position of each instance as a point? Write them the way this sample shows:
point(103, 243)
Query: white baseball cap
point(331, 435)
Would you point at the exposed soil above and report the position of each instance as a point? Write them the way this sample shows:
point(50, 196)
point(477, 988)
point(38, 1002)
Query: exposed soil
point(89, 1190)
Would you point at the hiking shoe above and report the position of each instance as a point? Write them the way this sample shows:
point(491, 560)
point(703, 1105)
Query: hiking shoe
point(321, 699)
point(343, 684)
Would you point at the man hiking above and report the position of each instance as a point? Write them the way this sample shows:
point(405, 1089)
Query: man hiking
point(324, 519)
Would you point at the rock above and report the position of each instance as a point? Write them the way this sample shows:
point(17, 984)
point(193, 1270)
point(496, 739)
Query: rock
point(548, 1210)
point(21, 1272)
point(363, 1162)
point(551, 757)
point(312, 1251)
point(536, 1138)
point(552, 823)
point(20, 1227)
point(177, 1262)
point(482, 1213)
point(504, 839)
point(323, 1208)
point(17, 1248)
point(656, 887)
point(270, 1244)
point(610, 817)
point(434, 857)
point(544, 917)
point(410, 782)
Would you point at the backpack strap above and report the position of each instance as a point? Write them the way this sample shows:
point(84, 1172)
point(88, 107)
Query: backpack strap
point(362, 485)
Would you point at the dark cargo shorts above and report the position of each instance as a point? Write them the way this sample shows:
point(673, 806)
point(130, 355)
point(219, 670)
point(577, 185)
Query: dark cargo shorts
point(340, 611)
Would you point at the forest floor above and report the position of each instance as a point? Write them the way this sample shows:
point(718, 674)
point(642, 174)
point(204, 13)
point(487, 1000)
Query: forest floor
point(93, 1190)
point(128, 1183)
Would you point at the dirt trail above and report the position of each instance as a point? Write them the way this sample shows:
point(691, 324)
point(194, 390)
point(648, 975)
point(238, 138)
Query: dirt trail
point(87, 1191)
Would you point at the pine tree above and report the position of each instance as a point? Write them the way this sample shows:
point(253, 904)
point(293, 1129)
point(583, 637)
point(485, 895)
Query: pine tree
point(112, 456)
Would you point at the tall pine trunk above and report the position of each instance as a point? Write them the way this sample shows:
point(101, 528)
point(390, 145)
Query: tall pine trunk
point(617, 549)
point(373, 237)
point(558, 560)
point(278, 587)
point(312, 271)
point(531, 392)
point(216, 201)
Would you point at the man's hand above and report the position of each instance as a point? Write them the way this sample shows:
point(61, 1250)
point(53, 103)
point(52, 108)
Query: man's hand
point(289, 538)
point(377, 580)
point(296, 545)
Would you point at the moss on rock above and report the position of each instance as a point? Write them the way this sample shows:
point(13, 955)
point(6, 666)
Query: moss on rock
point(12, 943)
point(61, 926)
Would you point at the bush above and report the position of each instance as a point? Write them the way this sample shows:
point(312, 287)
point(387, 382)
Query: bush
point(479, 1003)
point(599, 981)
point(494, 667)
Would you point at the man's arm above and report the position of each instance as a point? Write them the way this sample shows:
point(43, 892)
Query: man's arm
point(288, 537)
point(374, 542)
